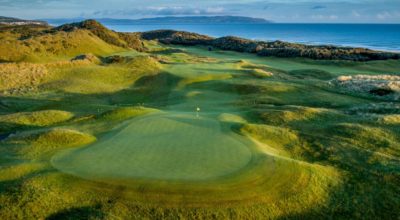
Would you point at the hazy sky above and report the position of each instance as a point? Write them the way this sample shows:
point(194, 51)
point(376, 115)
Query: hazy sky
point(339, 11)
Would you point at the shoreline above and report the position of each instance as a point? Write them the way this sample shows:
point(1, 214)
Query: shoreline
point(270, 35)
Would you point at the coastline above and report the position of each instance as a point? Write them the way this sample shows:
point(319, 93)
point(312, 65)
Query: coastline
point(285, 32)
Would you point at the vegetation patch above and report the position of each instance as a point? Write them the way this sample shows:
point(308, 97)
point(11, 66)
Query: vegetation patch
point(87, 57)
point(17, 78)
point(390, 119)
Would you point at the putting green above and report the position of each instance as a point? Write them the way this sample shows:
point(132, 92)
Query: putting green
point(167, 146)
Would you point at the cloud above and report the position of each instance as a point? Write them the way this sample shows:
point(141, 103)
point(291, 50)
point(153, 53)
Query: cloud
point(383, 15)
point(162, 11)
point(324, 17)
point(179, 10)
point(355, 13)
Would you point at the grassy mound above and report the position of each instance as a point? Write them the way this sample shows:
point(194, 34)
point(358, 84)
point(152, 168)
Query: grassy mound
point(127, 40)
point(291, 114)
point(202, 78)
point(38, 118)
point(43, 142)
point(259, 73)
point(263, 70)
point(125, 113)
point(373, 139)
point(282, 139)
point(232, 118)
point(311, 74)
point(92, 79)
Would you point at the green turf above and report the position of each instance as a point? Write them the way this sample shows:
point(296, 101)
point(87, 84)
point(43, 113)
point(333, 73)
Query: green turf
point(161, 146)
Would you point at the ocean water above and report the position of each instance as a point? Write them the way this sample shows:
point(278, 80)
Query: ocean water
point(374, 36)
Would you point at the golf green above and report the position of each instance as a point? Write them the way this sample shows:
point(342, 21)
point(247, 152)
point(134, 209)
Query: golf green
point(167, 146)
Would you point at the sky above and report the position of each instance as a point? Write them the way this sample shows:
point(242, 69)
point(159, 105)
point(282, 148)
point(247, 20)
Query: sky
point(295, 11)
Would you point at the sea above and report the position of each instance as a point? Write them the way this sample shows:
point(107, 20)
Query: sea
point(374, 36)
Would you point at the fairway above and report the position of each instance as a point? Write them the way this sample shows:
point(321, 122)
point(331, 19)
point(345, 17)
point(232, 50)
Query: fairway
point(167, 146)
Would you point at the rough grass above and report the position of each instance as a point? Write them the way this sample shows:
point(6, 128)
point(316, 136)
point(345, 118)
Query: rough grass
point(23, 76)
point(38, 118)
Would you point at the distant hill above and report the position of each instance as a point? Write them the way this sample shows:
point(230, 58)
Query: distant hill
point(36, 43)
point(16, 21)
point(172, 20)
point(33, 43)
point(273, 48)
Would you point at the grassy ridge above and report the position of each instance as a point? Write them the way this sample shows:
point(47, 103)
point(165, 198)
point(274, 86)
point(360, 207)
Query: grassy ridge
point(52, 47)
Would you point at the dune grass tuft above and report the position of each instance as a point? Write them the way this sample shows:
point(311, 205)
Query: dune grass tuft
point(390, 119)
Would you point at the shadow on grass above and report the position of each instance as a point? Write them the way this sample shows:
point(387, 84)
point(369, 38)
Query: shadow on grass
point(78, 213)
